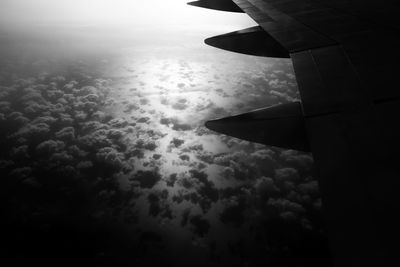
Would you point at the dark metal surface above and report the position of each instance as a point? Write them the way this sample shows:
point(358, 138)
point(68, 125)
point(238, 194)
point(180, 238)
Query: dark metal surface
point(345, 55)
point(327, 82)
point(289, 32)
point(371, 43)
point(252, 41)
point(356, 159)
point(282, 126)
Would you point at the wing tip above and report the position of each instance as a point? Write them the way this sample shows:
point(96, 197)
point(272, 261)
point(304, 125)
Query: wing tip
point(280, 126)
point(250, 41)
point(221, 5)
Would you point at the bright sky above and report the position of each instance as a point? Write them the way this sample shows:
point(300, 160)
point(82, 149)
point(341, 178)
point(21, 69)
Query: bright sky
point(111, 12)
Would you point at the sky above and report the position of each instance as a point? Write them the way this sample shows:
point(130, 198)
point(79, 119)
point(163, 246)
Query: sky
point(104, 156)
point(149, 13)
point(102, 26)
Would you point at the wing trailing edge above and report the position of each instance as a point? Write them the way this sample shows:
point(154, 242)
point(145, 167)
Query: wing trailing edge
point(251, 41)
point(282, 126)
point(222, 5)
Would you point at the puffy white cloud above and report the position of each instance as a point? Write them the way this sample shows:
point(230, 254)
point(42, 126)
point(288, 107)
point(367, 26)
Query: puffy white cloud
point(96, 139)
point(18, 117)
point(77, 152)
point(58, 80)
point(131, 106)
point(85, 90)
point(202, 130)
point(80, 116)
point(229, 159)
point(187, 181)
point(281, 95)
point(286, 174)
point(93, 125)
point(83, 165)
point(263, 155)
point(118, 123)
point(99, 116)
point(65, 119)
point(228, 173)
point(5, 107)
point(70, 86)
point(195, 147)
point(298, 159)
point(54, 94)
point(5, 91)
point(110, 156)
point(34, 108)
point(205, 156)
point(50, 146)
point(176, 124)
point(87, 107)
point(32, 95)
point(90, 98)
point(147, 144)
point(155, 134)
point(115, 134)
point(44, 119)
point(134, 152)
point(107, 141)
point(66, 134)
point(61, 158)
point(58, 108)
point(199, 152)
point(266, 188)
point(130, 129)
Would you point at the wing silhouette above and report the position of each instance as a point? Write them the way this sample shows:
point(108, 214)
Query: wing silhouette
point(345, 55)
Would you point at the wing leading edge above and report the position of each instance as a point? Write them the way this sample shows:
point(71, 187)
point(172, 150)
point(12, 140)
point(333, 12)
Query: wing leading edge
point(345, 60)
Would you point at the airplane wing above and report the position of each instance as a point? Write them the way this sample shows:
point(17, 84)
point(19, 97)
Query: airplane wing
point(345, 55)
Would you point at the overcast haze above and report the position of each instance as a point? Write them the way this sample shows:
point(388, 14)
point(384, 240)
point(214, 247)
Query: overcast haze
point(118, 12)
